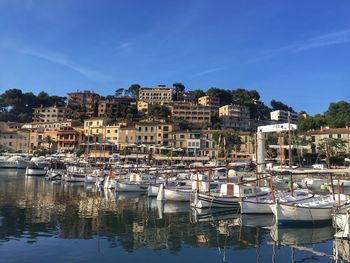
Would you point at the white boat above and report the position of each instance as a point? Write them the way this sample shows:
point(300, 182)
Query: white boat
point(174, 194)
point(261, 204)
point(230, 195)
point(310, 211)
point(137, 183)
point(34, 169)
point(15, 162)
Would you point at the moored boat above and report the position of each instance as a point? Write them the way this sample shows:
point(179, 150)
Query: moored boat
point(310, 211)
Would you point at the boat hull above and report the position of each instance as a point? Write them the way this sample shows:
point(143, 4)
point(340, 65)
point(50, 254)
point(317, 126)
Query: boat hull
point(210, 201)
point(289, 214)
point(131, 187)
point(35, 172)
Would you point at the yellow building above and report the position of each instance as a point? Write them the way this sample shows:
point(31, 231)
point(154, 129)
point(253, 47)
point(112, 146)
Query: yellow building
point(142, 106)
point(340, 133)
point(235, 116)
point(51, 114)
point(154, 95)
point(190, 112)
point(209, 101)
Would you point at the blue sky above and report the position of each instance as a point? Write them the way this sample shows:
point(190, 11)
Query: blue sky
point(294, 51)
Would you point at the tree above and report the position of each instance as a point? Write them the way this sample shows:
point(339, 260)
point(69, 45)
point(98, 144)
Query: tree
point(338, 114)
point(224, 96)
point(119, 92)
point(278, 105)
point(228, 139)
point(196, 94)
point(134, 90)
point(183, 124)
point(331, 147)
point(179, 89)
point(48, 140)
point(311, 123)
point(159, 112)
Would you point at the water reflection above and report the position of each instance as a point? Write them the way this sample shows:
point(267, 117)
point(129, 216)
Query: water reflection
point(31, 208)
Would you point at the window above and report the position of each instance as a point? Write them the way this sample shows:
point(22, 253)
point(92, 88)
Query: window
point(115, 130)
point(339, 136)
point(108, 131)
point(330, 136)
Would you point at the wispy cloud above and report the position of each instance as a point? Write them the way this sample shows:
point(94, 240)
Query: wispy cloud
point(328, 39)
point(208, 71)
point(58, 58)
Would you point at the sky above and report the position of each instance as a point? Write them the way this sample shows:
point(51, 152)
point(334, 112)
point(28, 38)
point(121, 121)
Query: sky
point(297, 52)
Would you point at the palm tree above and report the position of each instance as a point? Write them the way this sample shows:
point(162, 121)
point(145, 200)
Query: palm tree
point(48, 140)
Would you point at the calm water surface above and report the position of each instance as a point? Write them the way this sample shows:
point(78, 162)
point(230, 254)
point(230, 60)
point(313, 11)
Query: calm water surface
point(42, 221)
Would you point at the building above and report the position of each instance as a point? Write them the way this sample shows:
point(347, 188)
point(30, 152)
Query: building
point(191, 112)
point(340, 133)
point(69, 139)
point(154, 133)
point(209, 101)
point(235, 116)
point(54, 125)
point(282, 116)
point(52, 114)
point(142, 106)
point(84, 100)
point(113, 108)
point(155, 95)
point(14, 140)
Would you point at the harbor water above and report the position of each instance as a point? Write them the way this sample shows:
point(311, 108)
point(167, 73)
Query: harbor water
point(44, 221)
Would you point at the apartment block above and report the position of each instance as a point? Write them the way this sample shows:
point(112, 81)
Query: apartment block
point(340, 133)
point(14, 140)
point(51, 114)
point(282, 116)
point(235, 116)
point(209, 101)
point(142, 106)
point(155, 95)
point(69, 139)
point(112, 108)
point(190, 112)
point(84, 99)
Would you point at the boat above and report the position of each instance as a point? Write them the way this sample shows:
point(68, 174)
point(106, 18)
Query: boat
point(137, 183)
point(261, 204)
point(309, 211)
point(14, 162)
point(35, 169)
point(174, 194)
point(230, 195)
